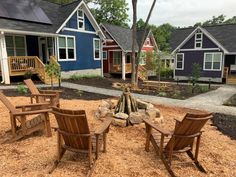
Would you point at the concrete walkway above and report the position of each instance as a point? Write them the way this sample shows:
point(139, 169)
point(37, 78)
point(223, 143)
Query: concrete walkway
point(211, 101)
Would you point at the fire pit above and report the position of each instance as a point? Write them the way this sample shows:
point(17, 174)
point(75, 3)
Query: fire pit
point(128, 110)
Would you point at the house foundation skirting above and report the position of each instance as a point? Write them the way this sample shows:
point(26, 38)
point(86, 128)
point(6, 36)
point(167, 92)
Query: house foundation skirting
point(204, 79)
point(85, 72)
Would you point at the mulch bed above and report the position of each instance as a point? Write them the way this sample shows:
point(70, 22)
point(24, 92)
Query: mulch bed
point(226, 124)
point(67, 93)
point(176, 92)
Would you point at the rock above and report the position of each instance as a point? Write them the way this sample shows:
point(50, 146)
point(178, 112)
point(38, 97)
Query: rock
point(119, 122)
point(110, 113)
point(97, 114)
point(142, 111)
point(149, 106)
point(103, 111)
point(158, 112)
point(106, 103)
point(159, 120)
point(152, 113)
point(136, 117)
point(121, 115)
point(141, 104)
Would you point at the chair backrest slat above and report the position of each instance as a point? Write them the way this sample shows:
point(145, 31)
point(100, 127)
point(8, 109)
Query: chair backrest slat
point(7, 103)
point(75, 122)
point(33, 89)
point(190, 125)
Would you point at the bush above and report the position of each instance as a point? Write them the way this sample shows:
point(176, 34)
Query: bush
point(166, 72)
point(162, 94)
point(21, 89)
point(28, 74)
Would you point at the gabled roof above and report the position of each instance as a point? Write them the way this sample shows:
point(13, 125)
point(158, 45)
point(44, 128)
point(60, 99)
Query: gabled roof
point(123, 36)
point(223, 34)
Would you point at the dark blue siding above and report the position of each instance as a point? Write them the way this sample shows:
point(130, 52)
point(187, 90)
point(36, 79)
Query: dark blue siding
point(191, 57)
point(72, 23)
point(84, 53)
point(206, 43)
point(32, 45)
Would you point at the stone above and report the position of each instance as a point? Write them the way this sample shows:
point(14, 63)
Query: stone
point(149, 106)
point(110, 113)
point(121, 115)
point(106, 103)
point(141, 104)
point(136, 117)
point(152, 113)
point(159, 120)
point(119, 122)
point(103, 111)
point(158, 113)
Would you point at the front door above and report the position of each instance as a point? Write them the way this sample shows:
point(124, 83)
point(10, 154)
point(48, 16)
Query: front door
point(43, 55)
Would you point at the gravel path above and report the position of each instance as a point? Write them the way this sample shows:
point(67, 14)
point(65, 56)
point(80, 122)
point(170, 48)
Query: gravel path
point(211, 101)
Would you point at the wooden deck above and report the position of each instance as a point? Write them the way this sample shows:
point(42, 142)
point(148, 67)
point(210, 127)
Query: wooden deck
point(229, 78)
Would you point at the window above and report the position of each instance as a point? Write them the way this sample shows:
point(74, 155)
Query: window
point(66, 48)
point(198, 39)
point(128, 58)
point(50, 46)
point(116, 58)
point(179, 61)
point(16, 45)
point(104, 55)
point(212, 61)
point(80, 16)
point(96, 49)
point(148, 41)
point(142, 59)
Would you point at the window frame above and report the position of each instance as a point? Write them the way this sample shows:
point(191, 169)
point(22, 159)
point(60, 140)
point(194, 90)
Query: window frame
point(212, 61)
point(80, 19)
point(94, 48)
point(176, 61)
point(148, 42)
point(198, 40)
point(144, 53)
point(103, 55)
point(14, 44)
point(113, 59)
point(66, 59)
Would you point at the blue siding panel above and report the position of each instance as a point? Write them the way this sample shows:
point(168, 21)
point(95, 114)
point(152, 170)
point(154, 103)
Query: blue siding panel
point(84, 53)
point(189, 44)
point(32, 45)
point(72, 23)
point(191, 57)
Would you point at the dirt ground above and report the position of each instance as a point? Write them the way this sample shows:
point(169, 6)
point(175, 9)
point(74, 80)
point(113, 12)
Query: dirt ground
point(125, 155)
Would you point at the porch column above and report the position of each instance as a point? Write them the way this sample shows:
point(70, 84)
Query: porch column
point(123, 65)
point(3, 59)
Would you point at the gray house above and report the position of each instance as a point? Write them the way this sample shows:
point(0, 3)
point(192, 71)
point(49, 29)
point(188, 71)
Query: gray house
point(212, 47)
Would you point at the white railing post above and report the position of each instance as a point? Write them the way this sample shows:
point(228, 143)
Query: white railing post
point(3, 59)
point(123, 66)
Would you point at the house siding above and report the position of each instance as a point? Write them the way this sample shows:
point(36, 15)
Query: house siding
point(191, 57)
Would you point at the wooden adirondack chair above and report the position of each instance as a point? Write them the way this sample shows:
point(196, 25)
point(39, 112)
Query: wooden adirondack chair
point(20, 126)
point(181, 140)
point(51, 96)
point(74, 135)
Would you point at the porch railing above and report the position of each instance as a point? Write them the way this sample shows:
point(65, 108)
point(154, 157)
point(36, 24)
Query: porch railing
point(118, 68)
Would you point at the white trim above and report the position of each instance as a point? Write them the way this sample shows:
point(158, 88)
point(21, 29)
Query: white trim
point(79, 30)
point(204, 69)
point(111, 46)
point(105, 51)
point(114, 50)
point(58, 49)
point(14, 43)
point(96, 39)
point(198, 41)
point(27, 32)
point(89, 15)
point(182, 61)
point(199, 49)
point(80, 19)
point(204, 32)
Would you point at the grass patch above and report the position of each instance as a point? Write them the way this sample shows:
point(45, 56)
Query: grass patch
point(231, 101)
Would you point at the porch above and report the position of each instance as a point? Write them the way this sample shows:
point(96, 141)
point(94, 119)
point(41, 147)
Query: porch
point(23, 53)
point(230, 69)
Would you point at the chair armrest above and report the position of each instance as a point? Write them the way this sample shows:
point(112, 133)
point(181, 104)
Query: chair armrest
point(31, 105)
point(103, 127)
point(155, 127)
point(31, 112)
point(43, 94)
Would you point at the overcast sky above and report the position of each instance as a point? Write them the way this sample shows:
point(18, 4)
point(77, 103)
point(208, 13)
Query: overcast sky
point(183, 12)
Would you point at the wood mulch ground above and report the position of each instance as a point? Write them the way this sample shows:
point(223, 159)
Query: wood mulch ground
point(125, 155)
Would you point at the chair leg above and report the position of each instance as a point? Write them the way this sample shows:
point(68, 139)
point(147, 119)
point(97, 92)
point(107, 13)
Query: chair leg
point(148, 131)
point(90, 153)
point(198, 165)
point(104, 142)
point(47, 125)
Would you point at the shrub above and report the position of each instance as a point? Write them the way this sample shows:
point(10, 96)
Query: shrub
point(28, 74)
point(76, 77)
point(163, 94)
point(166, 72)
point(79, 93)
point(21, 89)
point(204, 88)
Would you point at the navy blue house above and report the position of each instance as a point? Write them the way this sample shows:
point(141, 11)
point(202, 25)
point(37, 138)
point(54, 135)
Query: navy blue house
point(212, 47)
point(67, 32)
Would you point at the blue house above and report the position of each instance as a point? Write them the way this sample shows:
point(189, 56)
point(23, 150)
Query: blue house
point(33, 33)
point(213, 48)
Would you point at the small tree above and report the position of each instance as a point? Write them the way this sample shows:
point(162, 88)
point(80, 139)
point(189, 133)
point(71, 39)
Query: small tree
point(196, 72)
point(53, 70)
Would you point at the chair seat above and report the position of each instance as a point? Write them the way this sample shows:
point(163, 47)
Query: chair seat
point(157, 138)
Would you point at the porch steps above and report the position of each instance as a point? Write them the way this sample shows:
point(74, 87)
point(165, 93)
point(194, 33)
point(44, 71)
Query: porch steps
point(142, 73)
point(231, 80)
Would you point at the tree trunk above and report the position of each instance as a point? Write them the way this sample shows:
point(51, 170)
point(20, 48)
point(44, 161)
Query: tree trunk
point(143, 40)
point(134, 35)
